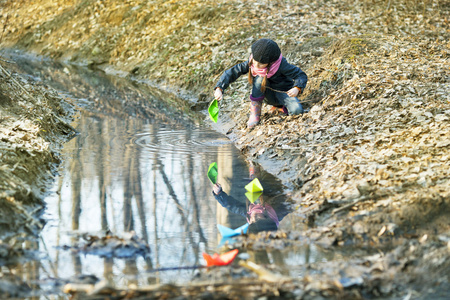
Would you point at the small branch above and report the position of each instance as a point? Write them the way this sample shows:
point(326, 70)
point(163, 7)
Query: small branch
point(7, 61)
point(15, 81)
point(176, 268)
point(361, 199)
point(309, 33)
point(4, 27)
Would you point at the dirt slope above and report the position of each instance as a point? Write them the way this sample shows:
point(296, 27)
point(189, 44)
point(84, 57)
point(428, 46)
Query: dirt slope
point(34, 124)
point(368, 164)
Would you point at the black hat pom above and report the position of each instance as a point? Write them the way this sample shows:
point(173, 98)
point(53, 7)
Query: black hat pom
point(265, 51)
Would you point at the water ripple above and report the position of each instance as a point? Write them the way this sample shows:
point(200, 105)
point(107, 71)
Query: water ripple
point(183, 141)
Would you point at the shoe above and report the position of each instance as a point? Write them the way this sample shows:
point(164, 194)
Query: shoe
point(255, 113)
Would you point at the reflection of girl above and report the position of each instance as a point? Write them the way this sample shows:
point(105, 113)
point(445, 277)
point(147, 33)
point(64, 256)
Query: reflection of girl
point(260, 216)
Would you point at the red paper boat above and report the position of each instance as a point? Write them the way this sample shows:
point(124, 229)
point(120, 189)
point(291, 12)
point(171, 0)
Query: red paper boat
point(220, 260)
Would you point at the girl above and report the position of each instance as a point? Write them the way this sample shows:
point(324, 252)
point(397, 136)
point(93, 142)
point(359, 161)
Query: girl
point(272, 78)
point(260, 216)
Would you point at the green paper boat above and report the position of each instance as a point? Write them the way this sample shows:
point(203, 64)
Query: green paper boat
point(212, 172)
point(252, 197)
point(213, 110)
point(254, 186)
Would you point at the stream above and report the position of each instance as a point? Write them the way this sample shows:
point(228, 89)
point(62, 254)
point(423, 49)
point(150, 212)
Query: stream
point(137, 171)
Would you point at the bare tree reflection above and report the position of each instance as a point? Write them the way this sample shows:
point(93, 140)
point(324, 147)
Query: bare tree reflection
point(102, 173)
point(76, 183)
point(128, 221)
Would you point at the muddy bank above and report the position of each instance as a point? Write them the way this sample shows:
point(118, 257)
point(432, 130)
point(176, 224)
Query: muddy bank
point(368, 164)
point(34, 124)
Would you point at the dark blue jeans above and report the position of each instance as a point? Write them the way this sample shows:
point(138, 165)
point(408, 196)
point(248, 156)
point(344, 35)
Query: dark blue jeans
point(277, 99)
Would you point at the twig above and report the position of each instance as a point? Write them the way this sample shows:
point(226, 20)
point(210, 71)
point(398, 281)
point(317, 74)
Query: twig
point(285, 92)
point(29, 95)
point(363, 198)
point(73, 288)
point(7, 61)
point(307, 33)
point(15, 81)
point(52, 265)
point(19, 208)
point(177, 268)
point(4, 27)
point(278, 91)
point(65, 124)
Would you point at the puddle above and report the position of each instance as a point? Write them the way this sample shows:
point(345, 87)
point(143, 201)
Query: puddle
point(139, 165)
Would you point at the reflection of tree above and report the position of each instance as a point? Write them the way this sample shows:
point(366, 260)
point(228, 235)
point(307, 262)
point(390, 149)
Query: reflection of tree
point(194, 202)
point(108, 264)
point(102, 173)
point(183, 212)
point(104, 141)
point(178, 205)
point(131, 180)
point(155, 205)
point(76, 177)
point(76, 170)
point(136, 183)
point(116, 111)
point(58, 231)
point(133, 190)
point(137, 192)
point(128, 221)
point(225, 178)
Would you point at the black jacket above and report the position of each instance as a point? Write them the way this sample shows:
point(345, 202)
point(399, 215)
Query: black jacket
point(284, 79)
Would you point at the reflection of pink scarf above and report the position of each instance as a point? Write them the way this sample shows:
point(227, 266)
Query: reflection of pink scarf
point(262, 72)
point(258, 208)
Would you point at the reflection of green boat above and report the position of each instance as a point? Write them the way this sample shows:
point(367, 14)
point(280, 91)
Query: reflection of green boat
point(228, 232)
point(254, 186)
point(252, 197)
point(212, 172)
point(213, 110)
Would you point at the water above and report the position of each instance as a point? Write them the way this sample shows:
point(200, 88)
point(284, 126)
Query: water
point(139, 165)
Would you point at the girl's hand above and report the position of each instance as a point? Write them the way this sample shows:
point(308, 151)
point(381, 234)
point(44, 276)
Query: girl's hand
point(218, 95)
point(217, 189)
point(293, 92)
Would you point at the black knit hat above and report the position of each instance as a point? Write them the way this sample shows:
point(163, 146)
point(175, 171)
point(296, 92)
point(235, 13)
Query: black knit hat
point(265, 51)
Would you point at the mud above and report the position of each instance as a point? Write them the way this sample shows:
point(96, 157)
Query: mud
point(34, 124)
point(368, 164)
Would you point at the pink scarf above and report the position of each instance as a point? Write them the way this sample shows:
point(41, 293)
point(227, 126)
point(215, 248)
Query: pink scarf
point(262, 72)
